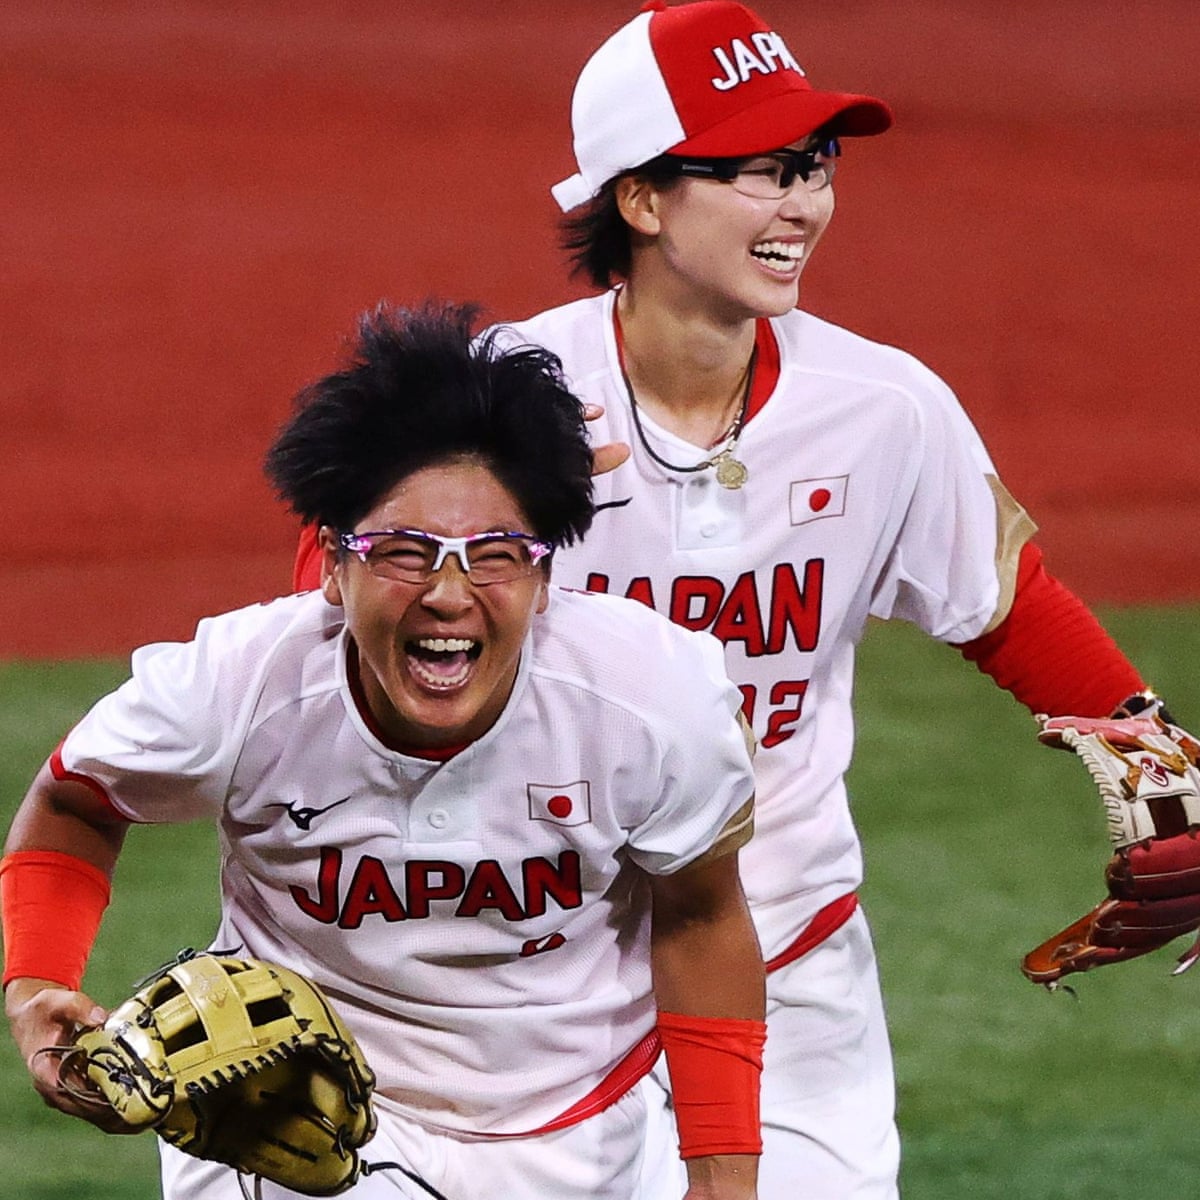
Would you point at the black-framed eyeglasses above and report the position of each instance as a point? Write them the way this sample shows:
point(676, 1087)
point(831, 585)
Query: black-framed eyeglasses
point(768, 176)
point(414, 556)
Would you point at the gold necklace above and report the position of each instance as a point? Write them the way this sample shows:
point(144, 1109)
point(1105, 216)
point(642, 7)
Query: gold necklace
point(732, 473)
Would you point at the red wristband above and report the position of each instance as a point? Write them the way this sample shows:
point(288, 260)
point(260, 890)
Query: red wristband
point(715, 1065)
point(51, 904)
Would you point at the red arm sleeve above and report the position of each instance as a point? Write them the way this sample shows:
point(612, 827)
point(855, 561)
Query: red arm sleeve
point(1051, 652)
point(306, 570)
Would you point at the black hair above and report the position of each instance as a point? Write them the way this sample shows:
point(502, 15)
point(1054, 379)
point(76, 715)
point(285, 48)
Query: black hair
point(417, 391)
point(597, 238)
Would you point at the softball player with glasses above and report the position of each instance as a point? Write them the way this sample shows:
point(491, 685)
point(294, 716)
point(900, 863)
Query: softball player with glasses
point(497, 822)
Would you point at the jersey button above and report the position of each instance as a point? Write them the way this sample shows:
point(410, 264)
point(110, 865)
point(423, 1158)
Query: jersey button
point(439, 818)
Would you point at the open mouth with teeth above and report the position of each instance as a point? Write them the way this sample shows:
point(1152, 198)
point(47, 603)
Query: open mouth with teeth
point(442, 663)
point(781, 256)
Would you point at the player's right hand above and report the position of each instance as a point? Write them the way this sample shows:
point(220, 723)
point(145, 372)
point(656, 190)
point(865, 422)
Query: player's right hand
point(609, 456)
point(43, 1015)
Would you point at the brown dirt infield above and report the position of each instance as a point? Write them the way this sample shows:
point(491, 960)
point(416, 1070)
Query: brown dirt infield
point(198, 197)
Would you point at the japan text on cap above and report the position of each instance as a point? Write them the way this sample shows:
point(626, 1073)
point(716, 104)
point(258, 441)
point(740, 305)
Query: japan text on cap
point(708, 79)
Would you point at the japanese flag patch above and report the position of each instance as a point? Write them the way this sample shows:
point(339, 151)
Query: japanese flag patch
point(814, 499)
point(560, 803)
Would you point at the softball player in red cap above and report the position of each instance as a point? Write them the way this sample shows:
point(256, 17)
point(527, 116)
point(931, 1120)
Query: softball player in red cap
point(786, 480)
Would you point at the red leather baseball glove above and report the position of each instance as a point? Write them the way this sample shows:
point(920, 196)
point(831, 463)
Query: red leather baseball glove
point(1147, 771)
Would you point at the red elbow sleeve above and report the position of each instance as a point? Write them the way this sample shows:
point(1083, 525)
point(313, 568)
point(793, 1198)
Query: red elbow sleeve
point(1051, 652)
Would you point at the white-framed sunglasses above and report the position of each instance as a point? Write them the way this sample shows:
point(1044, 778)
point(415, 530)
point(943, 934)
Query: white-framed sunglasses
point(414, 556)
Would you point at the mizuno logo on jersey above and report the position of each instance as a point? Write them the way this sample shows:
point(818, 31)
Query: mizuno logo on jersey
point(814, 499)
point(303, 818)
point(560, 803)
point(764, 56)
point(347, 894)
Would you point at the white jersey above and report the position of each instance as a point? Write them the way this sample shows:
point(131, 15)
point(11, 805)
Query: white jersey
point(869, 493)
point(481, 924)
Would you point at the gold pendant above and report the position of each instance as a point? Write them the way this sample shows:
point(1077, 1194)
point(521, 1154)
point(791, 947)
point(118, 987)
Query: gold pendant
point(731, 474)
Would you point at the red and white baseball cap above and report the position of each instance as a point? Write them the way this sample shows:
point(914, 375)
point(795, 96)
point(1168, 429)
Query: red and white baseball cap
point(709, 79)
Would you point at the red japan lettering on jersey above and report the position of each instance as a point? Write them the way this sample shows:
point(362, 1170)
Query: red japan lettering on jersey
point(345, 897)
point(735, 614)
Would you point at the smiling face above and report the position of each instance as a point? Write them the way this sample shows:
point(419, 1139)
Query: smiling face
point(436, 660)
point(706, 244)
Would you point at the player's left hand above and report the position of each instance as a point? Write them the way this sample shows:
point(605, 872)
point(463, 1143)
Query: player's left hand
point(1147, 771)
point(612, 454)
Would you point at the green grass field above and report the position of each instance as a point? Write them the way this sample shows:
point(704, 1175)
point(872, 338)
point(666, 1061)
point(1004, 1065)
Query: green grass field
point(979, 844)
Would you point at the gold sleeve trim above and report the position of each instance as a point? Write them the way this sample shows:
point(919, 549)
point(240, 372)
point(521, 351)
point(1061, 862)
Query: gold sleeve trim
point(1014, 527)
point(735, 833)
point(747, 734)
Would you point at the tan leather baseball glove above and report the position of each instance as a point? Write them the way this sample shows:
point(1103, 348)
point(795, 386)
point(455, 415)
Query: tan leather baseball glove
point(238, 1061)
